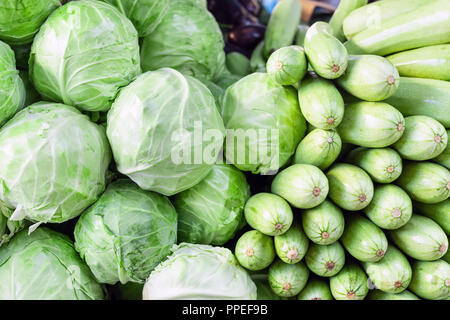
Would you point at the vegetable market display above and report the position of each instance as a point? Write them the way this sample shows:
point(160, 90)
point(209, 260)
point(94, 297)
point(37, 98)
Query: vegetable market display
point(141, 159)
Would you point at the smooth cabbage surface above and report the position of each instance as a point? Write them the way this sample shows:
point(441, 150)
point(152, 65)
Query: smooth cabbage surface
point(83, 54)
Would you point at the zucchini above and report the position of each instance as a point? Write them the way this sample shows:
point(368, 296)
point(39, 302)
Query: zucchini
point(431, 62)
point(254, 250)
point(288, 65)
point(431, 280)
point(439, 212)
point(370, 78)
point(325, 261)
point(257, 60)
point(287, 280)
point(421, 238)
point(292, 245)
point(301, 34)
point(427, 97)
point(381, 295)
point(316, 290)
point(444, 158)
point(343, 10)
point(425, 182)
point(349, 284)
point(374, 14)
point(426, 25)
point(371, 124)
point(238, 64)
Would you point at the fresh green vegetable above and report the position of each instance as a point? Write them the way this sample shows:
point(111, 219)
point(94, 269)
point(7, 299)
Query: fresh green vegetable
point(425, 25)
point(20, 20)
point(431, 62)
point(126, 233)
point(425, 97)
point(363, 239)
point(383, 165)
point(316, 290)
point(425, 181)
point(188, 39)
point(268, 213)
point(390, 208)
point(212, 211)
point(238, 64)
point(431, 280)
point(301, 34)
point(392, 273)
point(319, 148)
point(371, 124)
point(264, 292)
point(444, 158)
point(182, 276)
point(326, 54)
point(151, 132)
point(282, 26)
point(370, 78)
point(380, 295)
point(287, 65)
point(85, 69)
point(323, 224)
point(439, 212)
point(53, 162)
point(421, 238)
point(424, 138)
point(287, 280)
point(12, 89)
point(257, 59)
point(266, 128)
point(254, 250)
point(325, 261)
point(376, 14)
point(302, 185)
point(342, 11)
point(45, 266)
point(349, 284)
point(321, 103)
point(292, 245)
point(350, 186)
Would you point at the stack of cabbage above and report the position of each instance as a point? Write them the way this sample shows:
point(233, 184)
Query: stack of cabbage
point(114, 134)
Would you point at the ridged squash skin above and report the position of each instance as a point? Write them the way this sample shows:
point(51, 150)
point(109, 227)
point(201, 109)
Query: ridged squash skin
point(319, 148)
point(257, 59)
point(431, 280)
point(287, 280)
point(432, 62)
point(321, 103)
point(391, 274)
point(288, 65)
point(439, 212)
point(292, 245)
point(316, 290)
point(326, 54)
point(424, 139)
point(421, 238)
point(350, 186)
point(384, 165)
point(427, 97)
point(323, 224)
point(363, 239)
point(343, 10)
point(426, 25)
point(254, 250)
point(390, 208)
point(325, 261)
point(371, 124)
point(444, 158)
point(282, 26)
point(425, 181)
point(370, 77)
point(376, 13)
point(349, 284)
point(301, 34)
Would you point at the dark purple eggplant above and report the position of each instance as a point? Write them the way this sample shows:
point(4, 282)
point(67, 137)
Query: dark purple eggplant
point(247, 36)
point(252, 6)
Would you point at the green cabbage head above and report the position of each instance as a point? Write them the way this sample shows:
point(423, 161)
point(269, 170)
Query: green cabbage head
point(83, 54)
point(45, 266)
point(53, 162)
point(20, 20)
point(12, 89)
point(199, 272)
point(145, 15)
point(188, 39)
point(126, 233)
point(165, 131)
point(212, 211)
